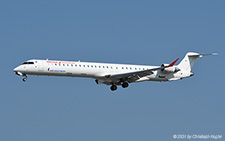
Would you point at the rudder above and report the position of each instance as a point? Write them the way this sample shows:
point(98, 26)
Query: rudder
point(188, 62)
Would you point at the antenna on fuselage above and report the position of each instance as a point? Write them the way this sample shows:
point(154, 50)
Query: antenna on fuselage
point(78, 61)
point(47, 59)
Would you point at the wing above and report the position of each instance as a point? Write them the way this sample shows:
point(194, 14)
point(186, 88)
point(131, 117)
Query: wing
point(133, 76)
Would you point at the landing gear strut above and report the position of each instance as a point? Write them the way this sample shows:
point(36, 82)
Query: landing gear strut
point(24, 78)
point(125, 84)
point(113, 87)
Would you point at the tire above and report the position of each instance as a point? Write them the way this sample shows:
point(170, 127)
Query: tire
point(125, 85)
point(113, 87)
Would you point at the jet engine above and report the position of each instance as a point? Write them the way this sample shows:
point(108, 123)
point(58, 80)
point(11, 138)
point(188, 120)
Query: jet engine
point(172, 69)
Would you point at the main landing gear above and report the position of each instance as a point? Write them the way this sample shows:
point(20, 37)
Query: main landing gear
point(125, 85)
point(24, 78)
point(114, 87)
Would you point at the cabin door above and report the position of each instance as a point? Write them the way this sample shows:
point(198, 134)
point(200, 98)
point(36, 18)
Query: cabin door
point(40, 66)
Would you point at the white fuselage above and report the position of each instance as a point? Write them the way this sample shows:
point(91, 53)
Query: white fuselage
point(111, 74)
point(92, 70)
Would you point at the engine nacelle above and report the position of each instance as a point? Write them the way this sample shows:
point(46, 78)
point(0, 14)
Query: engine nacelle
point(170, 70)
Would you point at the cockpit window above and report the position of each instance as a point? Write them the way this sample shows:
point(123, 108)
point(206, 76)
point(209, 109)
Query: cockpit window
point(28, 63)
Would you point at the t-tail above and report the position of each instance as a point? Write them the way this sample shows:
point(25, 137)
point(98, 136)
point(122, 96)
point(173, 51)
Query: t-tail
point(189, 60)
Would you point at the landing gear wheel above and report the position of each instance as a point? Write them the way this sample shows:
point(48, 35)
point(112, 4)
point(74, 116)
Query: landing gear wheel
point(125, 85)
point(24, 79)
point(113, 87)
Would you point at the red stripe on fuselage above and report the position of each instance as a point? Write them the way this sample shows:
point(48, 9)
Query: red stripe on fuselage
point(56, 62)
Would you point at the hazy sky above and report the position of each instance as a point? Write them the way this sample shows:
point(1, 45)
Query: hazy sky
point(133, 32)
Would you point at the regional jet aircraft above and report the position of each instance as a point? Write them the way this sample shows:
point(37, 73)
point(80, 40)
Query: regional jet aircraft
point(110, 74)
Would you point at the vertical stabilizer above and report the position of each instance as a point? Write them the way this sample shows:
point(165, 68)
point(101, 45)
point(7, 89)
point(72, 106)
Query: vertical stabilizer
point(189, 60)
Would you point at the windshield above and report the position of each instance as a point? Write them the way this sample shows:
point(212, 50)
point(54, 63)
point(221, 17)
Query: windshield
point(28, 63)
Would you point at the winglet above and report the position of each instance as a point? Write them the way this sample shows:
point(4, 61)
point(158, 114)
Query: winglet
point(170, 65)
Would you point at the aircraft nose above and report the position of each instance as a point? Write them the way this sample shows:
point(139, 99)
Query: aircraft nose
point(16, 69)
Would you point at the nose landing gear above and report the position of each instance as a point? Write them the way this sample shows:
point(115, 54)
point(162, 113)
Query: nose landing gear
point(24, 78)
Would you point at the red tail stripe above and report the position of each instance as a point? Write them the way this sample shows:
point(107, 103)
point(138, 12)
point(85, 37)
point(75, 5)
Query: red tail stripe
point(173, 62)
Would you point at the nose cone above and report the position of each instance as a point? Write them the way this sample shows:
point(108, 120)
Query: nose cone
point(16, 69)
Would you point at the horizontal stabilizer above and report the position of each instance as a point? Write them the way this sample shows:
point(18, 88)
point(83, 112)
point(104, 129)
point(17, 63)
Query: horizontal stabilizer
point(201, 55)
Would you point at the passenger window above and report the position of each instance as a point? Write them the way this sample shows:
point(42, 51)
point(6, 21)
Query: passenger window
point(84, 65)
point(55, 64)
point(79, 65)
point(71, 65)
